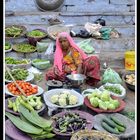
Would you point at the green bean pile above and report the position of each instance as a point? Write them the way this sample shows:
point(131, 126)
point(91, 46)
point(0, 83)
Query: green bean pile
point(36, 33)
point(13, 31)
point(39, 60)
point(113, 89)
point(11, 60)
point(24, 47)
point(18, 74)
point(7, 46)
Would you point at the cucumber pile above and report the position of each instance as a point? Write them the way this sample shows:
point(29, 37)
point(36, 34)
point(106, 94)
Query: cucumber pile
point(113, 125)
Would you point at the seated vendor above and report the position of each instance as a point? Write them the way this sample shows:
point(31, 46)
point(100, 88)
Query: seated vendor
point(69, 58)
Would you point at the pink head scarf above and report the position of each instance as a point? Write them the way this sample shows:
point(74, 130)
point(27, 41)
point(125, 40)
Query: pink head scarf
point(58, 55)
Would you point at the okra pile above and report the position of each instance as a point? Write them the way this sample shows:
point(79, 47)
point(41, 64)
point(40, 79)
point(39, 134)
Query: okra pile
point(31, 102)
point(18, 74)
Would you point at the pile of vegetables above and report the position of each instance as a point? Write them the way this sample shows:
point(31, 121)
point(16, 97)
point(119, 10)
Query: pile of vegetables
point(64, 99)
point(24, 47)
point(129, 114)
point(27, 88)
point(37, 76)
point(69, 123)
point(11, 60)
point(39, 60)
point(7, 46)
point(40, 63)
point(113, 89)
point(18, 74)
point(13, 31)
point(30, 102)
point(36, 33)
point(103, 100)
point(130, 79)
point(32, 124)
point(113, 125)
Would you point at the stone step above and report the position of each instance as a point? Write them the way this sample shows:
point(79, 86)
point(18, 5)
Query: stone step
point(115, 63)
point(112, 45)
point(124, 30)
point(76, 5)
point(121, 18)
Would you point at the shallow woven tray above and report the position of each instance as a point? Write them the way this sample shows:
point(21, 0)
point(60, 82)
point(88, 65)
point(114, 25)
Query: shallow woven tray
point(15, 48)
point(26, 66)
point(55, 29)
point(130, 125)
point(19, 26)
point(91, 134)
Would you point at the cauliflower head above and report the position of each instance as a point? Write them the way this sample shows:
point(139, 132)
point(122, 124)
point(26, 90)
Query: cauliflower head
point(62, 102)
point(54, 98)
point(73, 100)
point(63, 95)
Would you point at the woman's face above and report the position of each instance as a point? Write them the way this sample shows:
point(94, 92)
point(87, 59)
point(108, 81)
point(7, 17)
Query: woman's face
point(64, 43)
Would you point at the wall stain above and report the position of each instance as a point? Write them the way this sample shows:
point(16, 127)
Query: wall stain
point(90, 0)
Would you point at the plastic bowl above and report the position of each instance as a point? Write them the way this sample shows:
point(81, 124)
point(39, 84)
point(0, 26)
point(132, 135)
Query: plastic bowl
point(41, 65)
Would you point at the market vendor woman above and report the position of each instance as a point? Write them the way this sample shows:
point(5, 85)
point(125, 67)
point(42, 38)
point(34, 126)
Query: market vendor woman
point(69, 58)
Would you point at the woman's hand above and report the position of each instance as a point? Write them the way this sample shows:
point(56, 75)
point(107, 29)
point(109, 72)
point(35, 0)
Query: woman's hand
point(56, 70)
point(73, 72)
point(79, 69)
point(67, 69)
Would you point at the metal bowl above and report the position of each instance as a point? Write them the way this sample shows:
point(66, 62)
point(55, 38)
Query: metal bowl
point(49, 5)
point(76, 79)
point(131, 87)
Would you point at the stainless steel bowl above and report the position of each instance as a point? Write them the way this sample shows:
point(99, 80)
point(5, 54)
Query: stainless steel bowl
point(76, 79)
point(49, 5)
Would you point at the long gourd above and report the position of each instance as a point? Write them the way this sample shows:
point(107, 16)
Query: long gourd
point(48, 123)
point(33, 119)
point(42, 137)
point(22, 125)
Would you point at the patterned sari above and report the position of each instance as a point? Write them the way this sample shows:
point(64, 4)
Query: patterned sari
point(70, 62)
